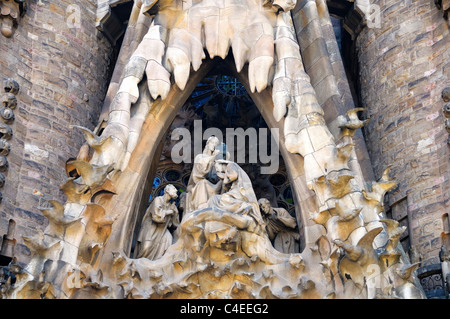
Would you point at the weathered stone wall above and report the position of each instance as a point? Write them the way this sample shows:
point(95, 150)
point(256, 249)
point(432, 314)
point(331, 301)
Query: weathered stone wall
point(404, 66)
point(62, 64)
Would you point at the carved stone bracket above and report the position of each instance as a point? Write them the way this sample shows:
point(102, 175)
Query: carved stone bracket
point(109, 21)
point(444, 6)
point(10, 13)
point(9, 102)
point(446, 110)
point(355, 15)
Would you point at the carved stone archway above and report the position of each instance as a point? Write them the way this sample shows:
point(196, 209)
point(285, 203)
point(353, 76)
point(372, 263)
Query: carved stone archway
point(304, 198)
point(129, 184)
point(131, 181)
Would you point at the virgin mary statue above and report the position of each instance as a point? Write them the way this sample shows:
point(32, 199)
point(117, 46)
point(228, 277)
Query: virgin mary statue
point(240, 197)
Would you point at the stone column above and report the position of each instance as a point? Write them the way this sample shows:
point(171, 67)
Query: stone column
point(404, 66)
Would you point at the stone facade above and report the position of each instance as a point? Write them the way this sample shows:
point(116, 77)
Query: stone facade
point(404, 66)
point(62, 64)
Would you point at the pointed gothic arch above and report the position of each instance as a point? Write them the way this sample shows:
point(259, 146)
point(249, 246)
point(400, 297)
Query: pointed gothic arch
point(131, 183)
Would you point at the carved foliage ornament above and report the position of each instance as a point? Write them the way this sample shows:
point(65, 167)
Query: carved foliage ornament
point(10, 13)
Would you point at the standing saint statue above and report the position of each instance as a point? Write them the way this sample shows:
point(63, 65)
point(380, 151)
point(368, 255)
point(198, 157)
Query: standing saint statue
point(280, 227)
point(154, 236)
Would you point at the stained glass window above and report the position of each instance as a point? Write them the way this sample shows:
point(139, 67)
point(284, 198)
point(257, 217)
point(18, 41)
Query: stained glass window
point(229, 85)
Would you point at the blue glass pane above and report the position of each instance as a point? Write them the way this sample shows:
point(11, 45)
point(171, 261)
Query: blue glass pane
point(156, 182)
point(229, 85)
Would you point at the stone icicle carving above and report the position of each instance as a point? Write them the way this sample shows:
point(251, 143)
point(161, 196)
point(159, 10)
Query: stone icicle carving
point(221, 249)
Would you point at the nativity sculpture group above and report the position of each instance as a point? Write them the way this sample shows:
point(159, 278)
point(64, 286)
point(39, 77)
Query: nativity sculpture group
point(233, 193)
